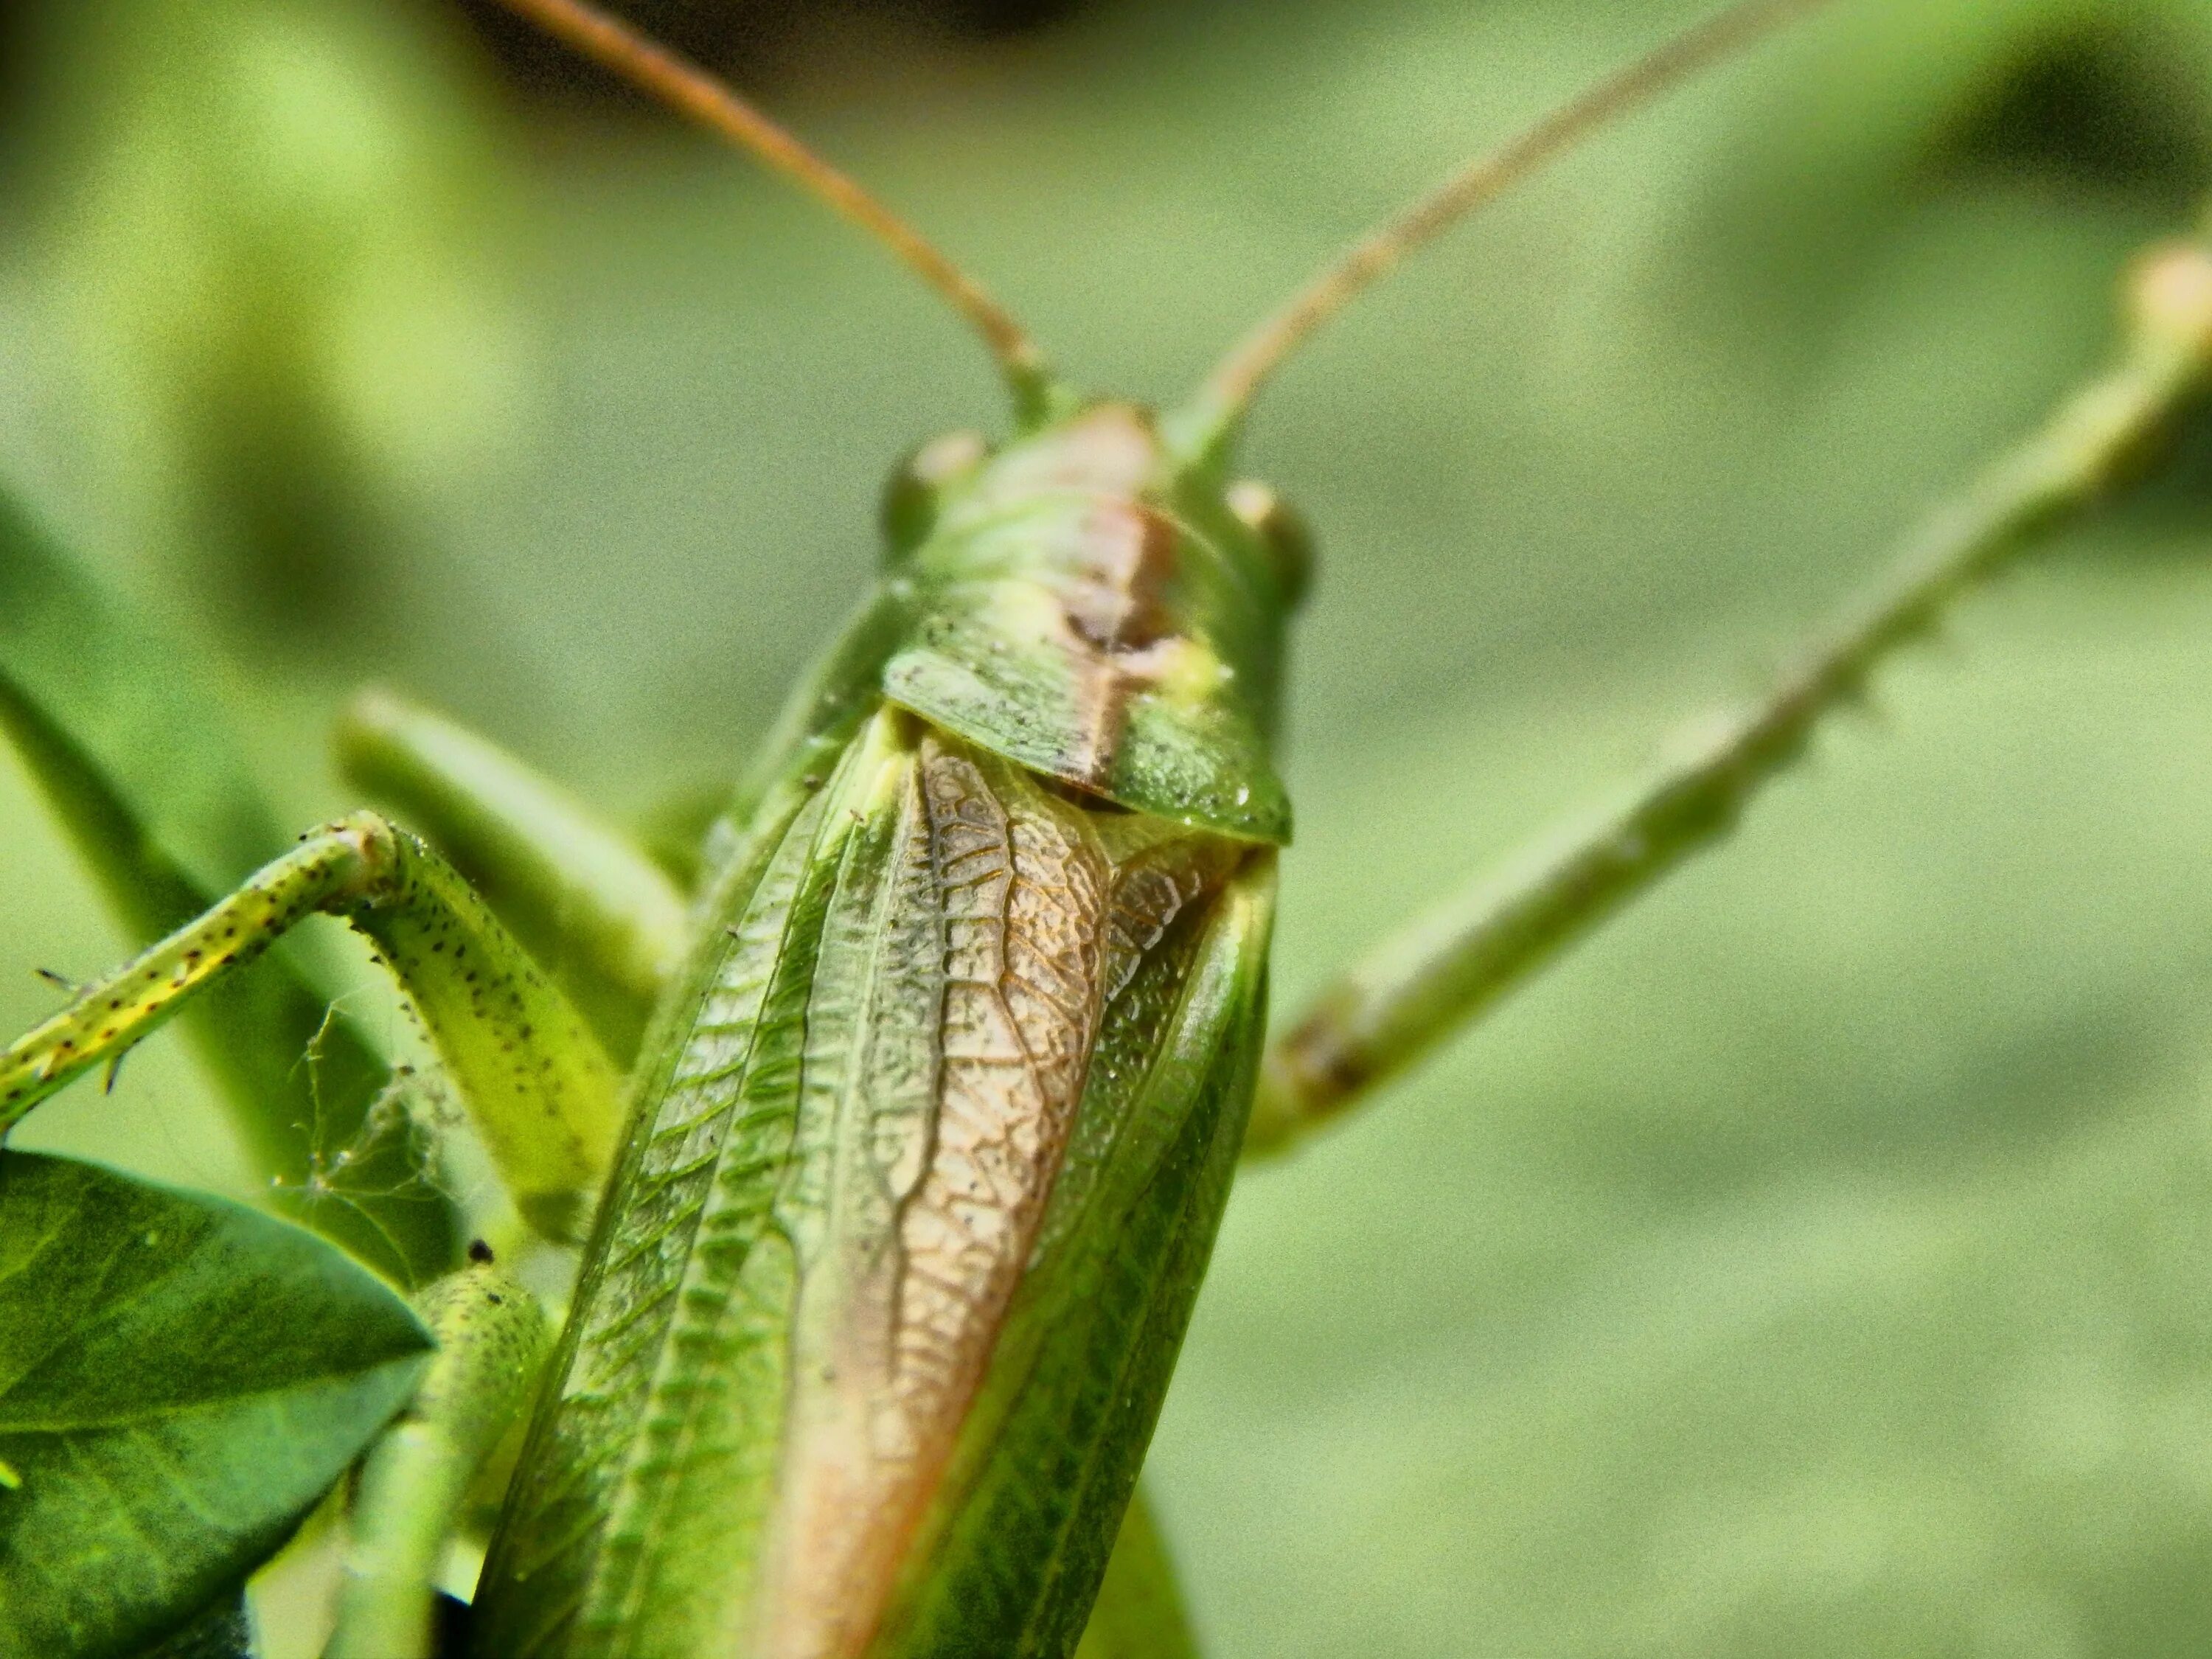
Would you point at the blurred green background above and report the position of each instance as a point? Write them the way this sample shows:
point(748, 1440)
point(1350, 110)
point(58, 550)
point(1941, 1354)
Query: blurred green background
point(1820, 1262)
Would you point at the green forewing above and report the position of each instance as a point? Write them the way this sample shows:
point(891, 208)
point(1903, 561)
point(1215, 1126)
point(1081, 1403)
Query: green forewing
point(789, 1156)
point(684, 1301)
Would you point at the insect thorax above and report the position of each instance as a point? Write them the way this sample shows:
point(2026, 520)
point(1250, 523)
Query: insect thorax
point(1090, 610)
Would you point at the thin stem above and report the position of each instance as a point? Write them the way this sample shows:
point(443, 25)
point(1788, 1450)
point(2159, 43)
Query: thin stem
point(1450, 965)
point(686, 88)
point(1227, 392)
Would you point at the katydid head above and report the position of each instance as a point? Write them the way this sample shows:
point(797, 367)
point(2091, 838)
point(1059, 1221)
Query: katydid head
point(1080, 601)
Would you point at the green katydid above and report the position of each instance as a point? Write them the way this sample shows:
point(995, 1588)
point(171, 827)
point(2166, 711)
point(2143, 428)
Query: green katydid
point(931, 1127)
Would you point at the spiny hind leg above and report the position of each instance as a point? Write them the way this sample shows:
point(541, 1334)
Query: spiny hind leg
point(1446, 967)
point(585, 898)
point(536, 1083)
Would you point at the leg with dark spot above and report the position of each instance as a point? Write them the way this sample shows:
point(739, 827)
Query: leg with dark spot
point(391, 887)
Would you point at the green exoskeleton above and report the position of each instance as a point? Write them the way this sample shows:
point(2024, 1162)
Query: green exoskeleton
point(889, 1241)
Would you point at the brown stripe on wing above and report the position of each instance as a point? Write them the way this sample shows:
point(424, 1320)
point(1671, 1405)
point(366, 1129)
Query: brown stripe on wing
point(1021, 886)
point(1038, 912)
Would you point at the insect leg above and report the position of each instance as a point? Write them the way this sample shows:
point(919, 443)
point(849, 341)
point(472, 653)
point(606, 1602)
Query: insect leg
point(134, 758)
point(539, 1087)
point(1447, 967)
point(581, 894)
point(492, 1340)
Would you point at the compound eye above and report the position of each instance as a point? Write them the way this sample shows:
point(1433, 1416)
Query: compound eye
point(1282, 531)
point(911, 494)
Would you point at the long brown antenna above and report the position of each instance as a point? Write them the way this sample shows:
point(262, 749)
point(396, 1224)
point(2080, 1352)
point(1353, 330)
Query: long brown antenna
point(1229, 390)
point(616, 46)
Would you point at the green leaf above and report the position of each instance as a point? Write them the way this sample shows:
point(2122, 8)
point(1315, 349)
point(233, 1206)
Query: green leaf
point(130, 712)
point(138, 759)
point(1139, 1613)
point(181, 1378)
